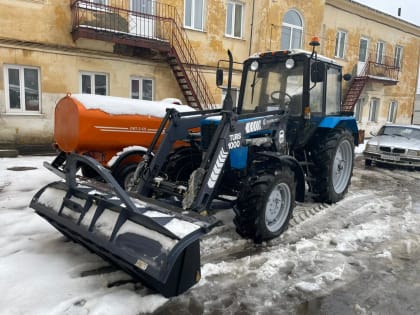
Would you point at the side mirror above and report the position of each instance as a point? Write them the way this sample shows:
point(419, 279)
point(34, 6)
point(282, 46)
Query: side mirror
point(318, 72)
point(347, 77)
point(219, 77)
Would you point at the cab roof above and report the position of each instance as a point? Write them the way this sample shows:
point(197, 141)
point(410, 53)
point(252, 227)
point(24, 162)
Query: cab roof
point(292, 52)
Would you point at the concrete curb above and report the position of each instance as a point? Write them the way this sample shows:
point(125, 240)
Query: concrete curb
point(8, 153)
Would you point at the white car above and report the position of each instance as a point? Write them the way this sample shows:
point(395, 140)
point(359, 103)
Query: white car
point(395, 145)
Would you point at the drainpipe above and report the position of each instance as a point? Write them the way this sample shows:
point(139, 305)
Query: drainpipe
point(417, 86)
point(252, 27)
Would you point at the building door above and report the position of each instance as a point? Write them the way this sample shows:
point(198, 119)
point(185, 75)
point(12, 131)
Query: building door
point(363, 55)
point(141, 19)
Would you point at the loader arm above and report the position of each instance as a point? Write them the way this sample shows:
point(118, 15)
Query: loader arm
point(178, 127)
point(233, 134)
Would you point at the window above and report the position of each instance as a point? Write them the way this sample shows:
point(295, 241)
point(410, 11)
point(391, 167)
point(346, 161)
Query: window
point(141, 89)
point(398, 56)
point(392, 111)
point(94, 83)
point(333, 91)
point(373, 110)
point(316, 98)
point(234, 94)
point(194, 14)
point(340, 43)
point(22, 89)
point(380, 51)
point(234, 17)
point(292, 30)
point(358, 110)
point(363, 49)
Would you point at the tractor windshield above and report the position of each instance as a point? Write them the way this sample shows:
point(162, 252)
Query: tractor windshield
point(272, 86)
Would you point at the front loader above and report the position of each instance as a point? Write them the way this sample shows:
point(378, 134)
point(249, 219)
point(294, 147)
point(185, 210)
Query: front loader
point(285, 141)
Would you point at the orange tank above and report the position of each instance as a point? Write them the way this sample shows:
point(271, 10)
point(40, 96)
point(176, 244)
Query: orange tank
point(101, 126)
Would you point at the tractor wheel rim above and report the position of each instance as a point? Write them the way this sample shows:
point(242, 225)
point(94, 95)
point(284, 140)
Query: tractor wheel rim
point(127, 180)
point(277, 208)
point(342, 166)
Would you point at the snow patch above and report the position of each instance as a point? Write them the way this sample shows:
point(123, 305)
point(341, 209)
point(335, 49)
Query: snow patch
point(126, 106)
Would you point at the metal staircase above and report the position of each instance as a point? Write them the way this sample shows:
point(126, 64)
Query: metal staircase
point(353, 93)
point(384, 72)
point(156, 30)
point(186, 69)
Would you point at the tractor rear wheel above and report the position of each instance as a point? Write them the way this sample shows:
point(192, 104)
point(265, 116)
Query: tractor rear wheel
point(333, 156)
point(265, 205)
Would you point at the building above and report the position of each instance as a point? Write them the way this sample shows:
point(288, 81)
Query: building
point(152, 50)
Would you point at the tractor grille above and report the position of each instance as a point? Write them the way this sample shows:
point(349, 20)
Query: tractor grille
point(207, 132)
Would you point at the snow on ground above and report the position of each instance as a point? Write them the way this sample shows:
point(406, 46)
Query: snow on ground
point(328, 248)
point(42, 273)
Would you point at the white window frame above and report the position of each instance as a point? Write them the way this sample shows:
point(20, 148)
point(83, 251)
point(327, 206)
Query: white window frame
point(392, 111)
point(340, 44)
point(380, 52)
point(293, 28)
point(92, 81)
point(358, 110)
point(374, 110)
point(398, 55)
point(22, 109)
point(94, 4)
point(140, 80)
point(233, 5)
point(193, 15)
point(367, 48)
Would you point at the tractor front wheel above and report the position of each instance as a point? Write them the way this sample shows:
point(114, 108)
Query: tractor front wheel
point(125, 174)
point(181, 163)
point(265, 206)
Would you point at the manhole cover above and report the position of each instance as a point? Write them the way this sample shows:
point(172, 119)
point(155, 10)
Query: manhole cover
point(21, 168)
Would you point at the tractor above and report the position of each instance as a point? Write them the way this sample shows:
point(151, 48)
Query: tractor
point(286, 140)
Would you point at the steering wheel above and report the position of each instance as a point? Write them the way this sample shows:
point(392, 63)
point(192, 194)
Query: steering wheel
point(276, 95)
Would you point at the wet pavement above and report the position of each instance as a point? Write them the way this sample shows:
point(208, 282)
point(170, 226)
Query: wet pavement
point(359, 256)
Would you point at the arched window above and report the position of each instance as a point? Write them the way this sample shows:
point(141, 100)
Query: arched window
point(292, 30)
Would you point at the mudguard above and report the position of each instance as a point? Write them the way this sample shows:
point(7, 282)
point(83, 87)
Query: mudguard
point(156, 245)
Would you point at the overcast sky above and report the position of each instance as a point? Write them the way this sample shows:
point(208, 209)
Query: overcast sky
point(410, 9)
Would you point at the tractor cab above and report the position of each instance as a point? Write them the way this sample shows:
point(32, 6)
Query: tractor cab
point(305, 86)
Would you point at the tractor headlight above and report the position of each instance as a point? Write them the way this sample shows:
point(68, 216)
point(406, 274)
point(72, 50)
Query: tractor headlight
point(290, 63)
point(254, 65)
point(282, 137)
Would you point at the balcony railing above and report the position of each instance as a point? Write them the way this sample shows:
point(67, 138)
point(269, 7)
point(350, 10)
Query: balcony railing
point(385, 70)
point(154, 22)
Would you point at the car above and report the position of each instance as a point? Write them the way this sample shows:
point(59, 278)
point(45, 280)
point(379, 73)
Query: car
point(394, 145)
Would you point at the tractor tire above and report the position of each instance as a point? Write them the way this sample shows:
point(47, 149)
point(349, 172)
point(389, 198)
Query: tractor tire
point(333, 156)
point(265, 205)
point(124, 175)
point(181, 163)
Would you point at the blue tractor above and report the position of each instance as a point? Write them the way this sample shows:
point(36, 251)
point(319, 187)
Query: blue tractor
point(286, 140)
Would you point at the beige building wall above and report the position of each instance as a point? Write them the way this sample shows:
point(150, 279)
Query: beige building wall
point(40, 37)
